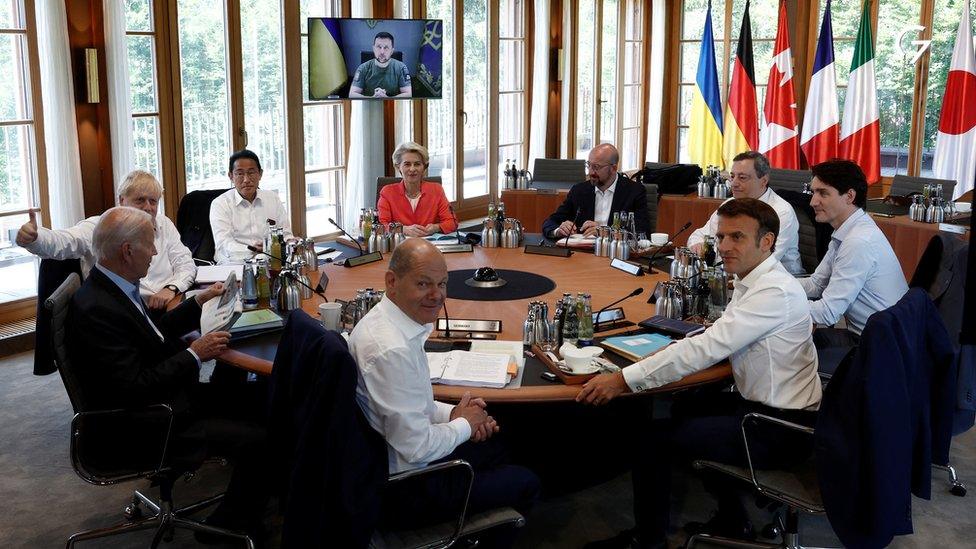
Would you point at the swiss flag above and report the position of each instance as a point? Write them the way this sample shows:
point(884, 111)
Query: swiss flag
point(778, 138)
point(955, 145)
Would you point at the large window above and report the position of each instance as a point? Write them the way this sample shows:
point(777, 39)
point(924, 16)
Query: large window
point(140, 31)
point(609, 86)
point(480, 122)
point(325, 144)
point(21, 181)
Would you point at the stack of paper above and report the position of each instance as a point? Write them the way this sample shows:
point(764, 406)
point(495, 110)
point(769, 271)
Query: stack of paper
point(471, 369)
point(220, 314)
point(636, 347)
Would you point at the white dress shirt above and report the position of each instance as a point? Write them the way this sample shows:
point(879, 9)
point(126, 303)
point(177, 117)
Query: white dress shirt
point(787, 242)
point(172, 264)
point(603, 203)
point(765, 332)
point(858, 276)
point(237, 223)
point(394, 389)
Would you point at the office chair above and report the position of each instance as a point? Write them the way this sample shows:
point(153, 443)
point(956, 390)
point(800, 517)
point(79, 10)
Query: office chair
point(366, 55)
point(383, 181)
point(193, 224)
point(324, 440)
point(557, 173)
point(98, 456)
point(814, 237)
point(941, 272)
point(652, 199)
point(804, 489)
point(50, 275)
point(902, 185)
point(789, 180)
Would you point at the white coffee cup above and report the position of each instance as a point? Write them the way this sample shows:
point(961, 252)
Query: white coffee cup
point(579, 359)
point(659, 239)
point(329, 315)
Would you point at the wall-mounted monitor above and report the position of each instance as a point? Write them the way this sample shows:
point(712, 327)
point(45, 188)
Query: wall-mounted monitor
point(350, 58)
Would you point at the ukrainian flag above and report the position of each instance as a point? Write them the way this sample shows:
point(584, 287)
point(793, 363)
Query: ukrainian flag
point(705, 121)
point(329, 73)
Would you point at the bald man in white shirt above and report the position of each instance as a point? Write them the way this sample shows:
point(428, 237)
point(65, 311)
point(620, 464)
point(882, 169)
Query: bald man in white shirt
point(765, 333)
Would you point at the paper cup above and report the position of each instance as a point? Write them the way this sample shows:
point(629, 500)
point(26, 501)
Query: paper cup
point(329, 314)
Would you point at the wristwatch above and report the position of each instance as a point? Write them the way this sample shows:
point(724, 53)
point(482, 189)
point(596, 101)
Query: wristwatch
point(173, 288)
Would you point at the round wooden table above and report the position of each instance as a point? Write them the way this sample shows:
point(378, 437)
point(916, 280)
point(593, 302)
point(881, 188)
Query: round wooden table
point(581, 272)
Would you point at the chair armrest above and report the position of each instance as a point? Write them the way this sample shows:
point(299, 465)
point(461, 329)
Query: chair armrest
point(756, 417)
point(442, 468)
point(199, 261)
point(154, 424)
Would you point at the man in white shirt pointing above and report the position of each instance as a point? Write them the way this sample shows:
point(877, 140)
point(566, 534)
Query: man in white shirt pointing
point(171, 271)
point(395, 394)
point(765, 333)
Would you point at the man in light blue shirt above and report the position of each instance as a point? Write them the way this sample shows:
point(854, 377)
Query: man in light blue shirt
point(860, 273)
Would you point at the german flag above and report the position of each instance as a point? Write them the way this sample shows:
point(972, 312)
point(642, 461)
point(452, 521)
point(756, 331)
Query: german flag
point(741, 111)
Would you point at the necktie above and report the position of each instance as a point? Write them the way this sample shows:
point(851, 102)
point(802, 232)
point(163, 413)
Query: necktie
point(142, 308)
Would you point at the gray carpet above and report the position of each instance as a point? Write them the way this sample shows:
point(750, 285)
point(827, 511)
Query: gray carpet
point(44, 501)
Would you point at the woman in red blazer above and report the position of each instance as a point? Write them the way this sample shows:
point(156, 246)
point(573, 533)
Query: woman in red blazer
point(420, 205)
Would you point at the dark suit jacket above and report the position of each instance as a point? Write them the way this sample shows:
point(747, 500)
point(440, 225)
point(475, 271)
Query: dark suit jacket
point(627, 197)
point(330, 465)
point(886, 416)
point(119, 359)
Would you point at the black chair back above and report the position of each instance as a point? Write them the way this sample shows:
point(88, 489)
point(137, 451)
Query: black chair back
point(814, 237)
point(652, 199)
point(557, 173)
point(789, 180)
point(670, 178)
point(193, 223)
point(902, 185)
point(57, 305)
point(50, 275)
point(366, 55)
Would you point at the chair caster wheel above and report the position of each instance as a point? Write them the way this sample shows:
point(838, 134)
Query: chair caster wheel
point(771, 531)
point(132, 512)
point(958, 490)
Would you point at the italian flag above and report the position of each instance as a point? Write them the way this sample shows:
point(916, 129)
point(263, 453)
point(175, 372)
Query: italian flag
point(860, 131)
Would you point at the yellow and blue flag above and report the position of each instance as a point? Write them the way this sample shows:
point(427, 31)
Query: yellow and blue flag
point(705, 118)
point(326, 69)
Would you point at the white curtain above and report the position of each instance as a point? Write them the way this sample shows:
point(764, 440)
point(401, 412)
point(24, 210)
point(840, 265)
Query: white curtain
point(365, 162)
point(60, 126)
point(540, 84)
point(567, 83)
point(655, 81)
point(117, 94)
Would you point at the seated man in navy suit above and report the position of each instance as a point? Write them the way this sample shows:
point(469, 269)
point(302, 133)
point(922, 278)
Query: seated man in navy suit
point(593, 202)
point(126, 359)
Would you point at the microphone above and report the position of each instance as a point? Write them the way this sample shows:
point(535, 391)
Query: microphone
point(457, 226)
point(355, 240)
point(650, 261)
point(575, 223)
point(637, 291)
point(316, 291)
point(447, 322)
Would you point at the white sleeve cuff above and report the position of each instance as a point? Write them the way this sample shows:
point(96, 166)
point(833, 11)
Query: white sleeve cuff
point(462, 428)
point(195, 356)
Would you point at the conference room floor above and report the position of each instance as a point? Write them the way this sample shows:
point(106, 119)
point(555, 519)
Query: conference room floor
point(44, 501)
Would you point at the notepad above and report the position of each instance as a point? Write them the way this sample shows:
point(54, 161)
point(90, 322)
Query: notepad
point(636, 347)
point(258, 319)
point(469, 369)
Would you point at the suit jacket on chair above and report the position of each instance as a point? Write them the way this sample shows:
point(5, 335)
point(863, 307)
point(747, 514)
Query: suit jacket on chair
point(120, 360)
point(886, 416)
point(628, 196)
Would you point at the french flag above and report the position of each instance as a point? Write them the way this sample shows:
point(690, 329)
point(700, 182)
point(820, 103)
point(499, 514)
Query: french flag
point(818, 138)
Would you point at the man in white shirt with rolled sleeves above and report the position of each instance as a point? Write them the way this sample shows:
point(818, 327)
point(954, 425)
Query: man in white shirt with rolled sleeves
point(765, 333)
point(171, 272)
point(395, 394)
point(860, 274)
point(239, 217)
point(749, 178)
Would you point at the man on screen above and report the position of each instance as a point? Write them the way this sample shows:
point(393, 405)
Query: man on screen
point(381, 76)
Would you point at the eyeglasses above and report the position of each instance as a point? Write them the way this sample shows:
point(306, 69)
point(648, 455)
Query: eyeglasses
point(241, 174)
point(595, 167)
